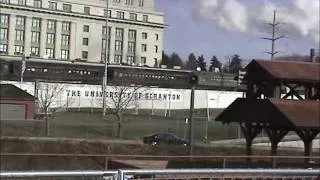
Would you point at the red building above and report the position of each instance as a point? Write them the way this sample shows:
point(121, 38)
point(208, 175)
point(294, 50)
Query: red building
point(15, 103)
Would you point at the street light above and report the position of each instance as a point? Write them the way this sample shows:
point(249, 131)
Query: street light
point(105, 77)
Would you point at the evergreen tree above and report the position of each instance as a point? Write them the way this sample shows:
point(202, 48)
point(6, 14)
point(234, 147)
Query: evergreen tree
point(215, 63)
point(165, 59)
point(235, 64)
point(175, 60)
point(201, 63)
point(192, 62)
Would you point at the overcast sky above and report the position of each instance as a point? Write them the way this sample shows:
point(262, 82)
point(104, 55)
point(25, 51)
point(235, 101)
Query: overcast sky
point(226, 27)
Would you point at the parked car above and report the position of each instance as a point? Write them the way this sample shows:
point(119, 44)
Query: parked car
point(164, 138)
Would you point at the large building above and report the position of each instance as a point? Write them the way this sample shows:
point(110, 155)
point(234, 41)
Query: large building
point(76, 30)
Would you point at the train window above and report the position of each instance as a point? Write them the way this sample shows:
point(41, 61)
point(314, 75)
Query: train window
point(45, 70)
point(33, 70)
point(69, 71)
point(89, 73)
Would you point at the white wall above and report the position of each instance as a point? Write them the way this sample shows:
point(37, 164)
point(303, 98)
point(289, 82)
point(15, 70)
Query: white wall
point(180, 98)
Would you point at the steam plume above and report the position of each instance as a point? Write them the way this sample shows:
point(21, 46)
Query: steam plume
point(300, 18)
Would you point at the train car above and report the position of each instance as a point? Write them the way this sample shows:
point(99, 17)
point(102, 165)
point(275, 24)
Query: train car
point(92, 73)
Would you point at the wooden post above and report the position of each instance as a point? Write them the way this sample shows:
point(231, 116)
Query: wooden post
point(275, 136)
point(249, 132)
point(307, 136)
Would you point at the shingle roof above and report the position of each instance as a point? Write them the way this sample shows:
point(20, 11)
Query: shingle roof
point(289, 70)
point(276, 112)
point(9, 91)
point(300, 113)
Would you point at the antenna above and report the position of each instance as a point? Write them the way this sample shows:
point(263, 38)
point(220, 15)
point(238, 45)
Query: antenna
point(273, 39)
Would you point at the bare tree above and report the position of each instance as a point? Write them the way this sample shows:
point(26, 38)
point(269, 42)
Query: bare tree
point(120, 100)
point(48, 103)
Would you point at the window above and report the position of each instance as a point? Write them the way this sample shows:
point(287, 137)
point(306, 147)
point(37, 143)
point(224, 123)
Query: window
point(145, 18)
point(141, 3)
point(84, 54)
point(132, 34)
point(131, 47)
point(143, 60)
point(120, 14)
point(156, 62)
point(34, 51)
point(130, 60)
point(157, 37)
point(66, 7)
point(107, 13)
point(37, 3)
point(143, 47)
point(20, 20)
point(85, 28)
point(35, 22)
point(65, 40)
point(19, 35)
point(50, 52)
point(22, 2)
point(64, 54)
point(85, 41)
point(52, 5)
point(129, 2)
point(133, 16)
point(35, 36)
point(50, 38)
point(144, 35)
point(5, 1)
point(118, 59)
point(119, 33)
point(4, 19)
point(156, 49)
point(86, 10)
point(51, 24)
point(104, 31)
point(3, 33)
point(3, 49)
point(66, 26)
point(104, 44)
point(118, 45)
point(117, 1)
point(18, 50)
point(103, 58)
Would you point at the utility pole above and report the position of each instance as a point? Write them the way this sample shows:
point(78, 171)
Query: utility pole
point(105, 77)
point(191, 121)
point(273, 39)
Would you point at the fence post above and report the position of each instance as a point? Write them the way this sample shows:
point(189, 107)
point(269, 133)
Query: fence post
point(274, 162)
point(224, 162)
point(106, 162)
point(120, 175)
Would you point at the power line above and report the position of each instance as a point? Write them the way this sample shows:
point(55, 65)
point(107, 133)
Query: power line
point(273, 39)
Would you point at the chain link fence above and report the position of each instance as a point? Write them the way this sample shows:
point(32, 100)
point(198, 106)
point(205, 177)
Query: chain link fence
point(176, 174)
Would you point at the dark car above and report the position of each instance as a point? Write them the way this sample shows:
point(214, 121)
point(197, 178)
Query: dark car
point(164, 138)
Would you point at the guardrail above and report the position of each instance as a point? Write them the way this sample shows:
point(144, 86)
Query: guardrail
point(297, 174)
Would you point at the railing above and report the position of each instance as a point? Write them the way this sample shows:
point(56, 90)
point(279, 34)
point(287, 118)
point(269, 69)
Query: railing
point(225, 161)
point(297, 174)
point(61, 175)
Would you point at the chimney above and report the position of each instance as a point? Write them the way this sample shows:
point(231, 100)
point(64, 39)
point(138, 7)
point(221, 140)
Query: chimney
point(312, 55)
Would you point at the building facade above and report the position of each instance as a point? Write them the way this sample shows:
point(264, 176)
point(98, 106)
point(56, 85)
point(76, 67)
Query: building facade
point(76, 30)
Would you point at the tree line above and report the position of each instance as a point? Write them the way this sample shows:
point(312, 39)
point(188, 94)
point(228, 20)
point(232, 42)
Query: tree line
point(233, 64)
